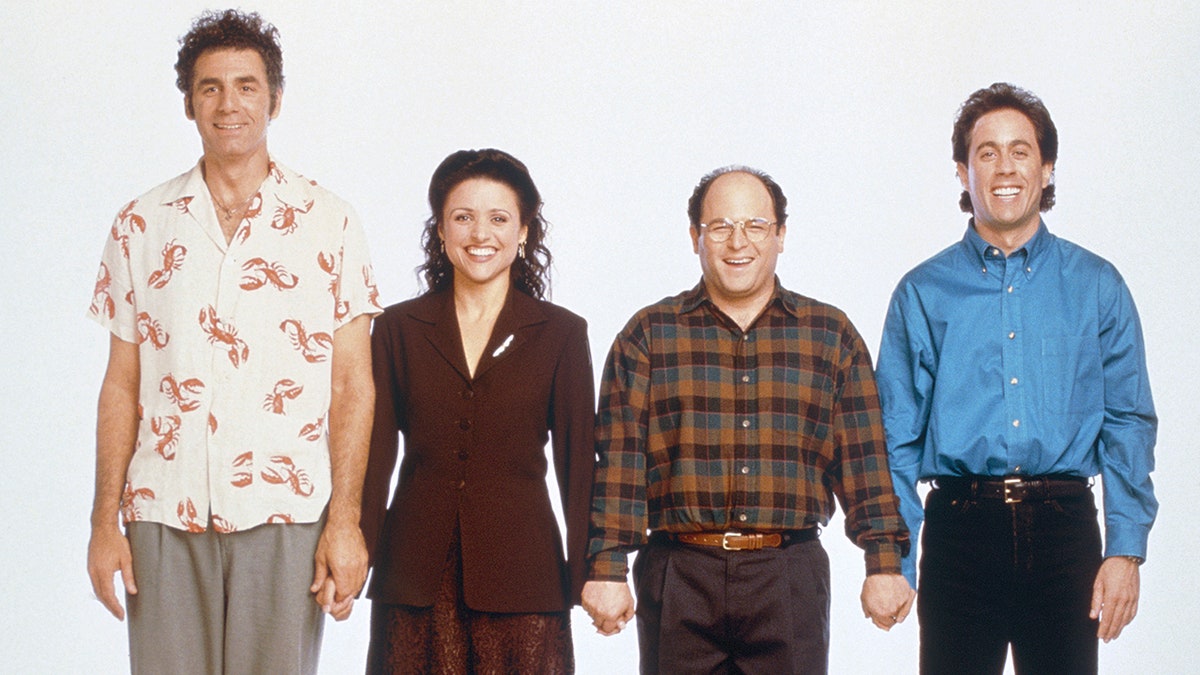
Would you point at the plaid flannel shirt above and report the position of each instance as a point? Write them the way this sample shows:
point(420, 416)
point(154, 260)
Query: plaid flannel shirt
point(705, 427)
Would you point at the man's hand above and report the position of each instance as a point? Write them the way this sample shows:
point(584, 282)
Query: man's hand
point(341, 569)
point(108, 553)
point(887, 599)
point(610, 604)
point(1115, 596)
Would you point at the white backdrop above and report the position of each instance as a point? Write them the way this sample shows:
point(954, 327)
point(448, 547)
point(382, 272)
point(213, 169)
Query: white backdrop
point(617, 108)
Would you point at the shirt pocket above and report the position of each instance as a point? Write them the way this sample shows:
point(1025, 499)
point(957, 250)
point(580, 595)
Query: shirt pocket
point(1072, 376)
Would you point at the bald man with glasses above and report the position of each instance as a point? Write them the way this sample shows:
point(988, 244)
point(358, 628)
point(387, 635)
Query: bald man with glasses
point(732, 417)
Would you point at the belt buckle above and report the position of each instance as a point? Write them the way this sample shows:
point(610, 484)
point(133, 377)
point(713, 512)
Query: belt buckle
point(725, 541)
point(1009, 484)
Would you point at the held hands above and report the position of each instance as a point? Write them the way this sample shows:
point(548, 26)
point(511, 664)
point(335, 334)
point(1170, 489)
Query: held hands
point(887, 599)
point(108, 553)
point(341, 569)
point(1115, 596)
point(610, 604)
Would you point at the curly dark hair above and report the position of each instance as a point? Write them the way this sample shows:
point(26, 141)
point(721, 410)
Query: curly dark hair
point(531, 273)
point(229, 29)
point(696, 203)
point(999, 96)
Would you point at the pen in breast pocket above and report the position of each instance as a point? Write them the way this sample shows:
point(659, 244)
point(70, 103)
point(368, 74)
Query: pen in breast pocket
point(504, 345)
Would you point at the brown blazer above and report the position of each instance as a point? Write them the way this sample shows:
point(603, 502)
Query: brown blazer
point(474, 453)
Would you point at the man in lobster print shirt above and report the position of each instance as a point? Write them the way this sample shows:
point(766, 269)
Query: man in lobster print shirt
point(235, 412)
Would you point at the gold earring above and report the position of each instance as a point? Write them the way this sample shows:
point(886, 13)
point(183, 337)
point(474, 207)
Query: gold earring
point(521, 250)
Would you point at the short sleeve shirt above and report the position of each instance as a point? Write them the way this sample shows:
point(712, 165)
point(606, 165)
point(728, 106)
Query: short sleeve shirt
point(235, 342)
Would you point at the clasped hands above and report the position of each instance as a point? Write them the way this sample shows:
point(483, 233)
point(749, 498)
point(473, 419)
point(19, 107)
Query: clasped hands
point(887, 599)
point(610, 604)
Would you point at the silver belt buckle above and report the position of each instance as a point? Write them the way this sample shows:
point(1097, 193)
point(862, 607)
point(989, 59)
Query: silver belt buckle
point(725, 541)
point(1009, 483)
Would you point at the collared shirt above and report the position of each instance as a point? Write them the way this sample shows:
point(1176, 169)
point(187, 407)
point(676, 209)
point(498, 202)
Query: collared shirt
point(235, 341)
point(703, 426)
point(1024, 365)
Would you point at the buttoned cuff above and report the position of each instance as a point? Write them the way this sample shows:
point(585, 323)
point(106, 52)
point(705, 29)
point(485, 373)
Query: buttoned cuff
point(609, 566)
point(1126, 540)
point(883, 557)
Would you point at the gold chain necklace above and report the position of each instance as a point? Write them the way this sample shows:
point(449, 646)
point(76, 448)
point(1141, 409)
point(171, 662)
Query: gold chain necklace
point(226, 212)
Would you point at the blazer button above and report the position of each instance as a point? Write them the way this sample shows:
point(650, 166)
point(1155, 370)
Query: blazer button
point(468, 394)
point(464, 424)
point(458, 485)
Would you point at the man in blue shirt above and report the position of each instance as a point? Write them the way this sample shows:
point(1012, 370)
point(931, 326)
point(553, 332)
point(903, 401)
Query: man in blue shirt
point(1012, 371)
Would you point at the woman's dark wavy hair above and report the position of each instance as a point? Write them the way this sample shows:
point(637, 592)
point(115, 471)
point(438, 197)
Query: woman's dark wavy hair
point(1003, 95)
point(230, 29)
point(530, 274)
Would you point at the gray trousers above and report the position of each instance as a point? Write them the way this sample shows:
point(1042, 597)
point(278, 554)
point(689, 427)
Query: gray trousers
point(224, 604)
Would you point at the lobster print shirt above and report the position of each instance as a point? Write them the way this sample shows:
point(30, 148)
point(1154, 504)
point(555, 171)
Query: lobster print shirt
point(235, 342)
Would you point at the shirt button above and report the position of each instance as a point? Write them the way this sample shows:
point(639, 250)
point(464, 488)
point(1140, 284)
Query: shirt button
point(464, 424)
point(745, 470)
point(745, 423)
point(743, 517)
point(1013, 381)
point(1011, 335)
point(745, 337)
point(1028, 269)
point(745, 378)
point(1016, 423)
point(1010, 289)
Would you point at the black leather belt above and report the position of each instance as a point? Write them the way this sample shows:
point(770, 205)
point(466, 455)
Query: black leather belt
point(1013, 489)
point(741, 541)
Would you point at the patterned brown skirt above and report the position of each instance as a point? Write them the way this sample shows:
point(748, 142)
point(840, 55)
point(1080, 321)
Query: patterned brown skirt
point(451, 638)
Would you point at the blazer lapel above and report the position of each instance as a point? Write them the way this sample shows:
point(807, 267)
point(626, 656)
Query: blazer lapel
point(515, 325)
point(441, 329)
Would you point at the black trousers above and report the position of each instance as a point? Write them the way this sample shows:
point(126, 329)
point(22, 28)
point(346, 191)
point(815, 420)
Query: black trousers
point(706, 610)
point(996, 574)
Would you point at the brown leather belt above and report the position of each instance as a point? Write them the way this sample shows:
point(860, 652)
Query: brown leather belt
point(1013, 489)
point(744, 541)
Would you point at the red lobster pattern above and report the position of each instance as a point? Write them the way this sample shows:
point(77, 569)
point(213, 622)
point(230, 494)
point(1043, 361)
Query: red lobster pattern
point(182, 204)
point(245, 476)
point(285, 389)
point(260, 273)
point(151, 261)
point(372, 290)
point(313, 347)
point(288, 474)
point(329, 263)
point(221, 525)
point(130, 512)
point(127, 223)
point(252, 212)
point(286, 220)
point(220, 332)
point(173, 255)
point(102, 302)
point(182, 394)
point(188, 516)
point(166, 428)
point(151, 331)
point(313, 431)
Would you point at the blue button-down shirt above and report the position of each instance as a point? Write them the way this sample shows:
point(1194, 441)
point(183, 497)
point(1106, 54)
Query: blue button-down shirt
point(1022, 365)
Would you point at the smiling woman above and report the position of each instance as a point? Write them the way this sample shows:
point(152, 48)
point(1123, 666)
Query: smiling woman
point(476, 375)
